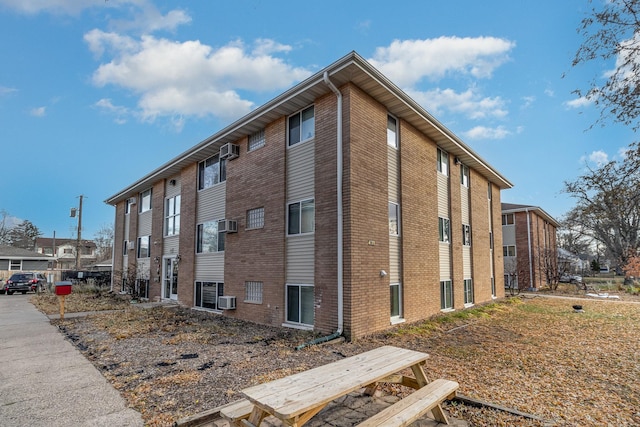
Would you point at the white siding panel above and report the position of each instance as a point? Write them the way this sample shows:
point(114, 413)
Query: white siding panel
point(394, 174)
point(443, 195)
point(300, 259)
point(144, 223)
point(210, 267)
point(464, 204)
point(172, 190)
point(211, 203)
point(126, 227)
point(445, 261)
point(300, 171)
point(394, 260)
point(466, 261)
point(171, 245)
point(509, 235)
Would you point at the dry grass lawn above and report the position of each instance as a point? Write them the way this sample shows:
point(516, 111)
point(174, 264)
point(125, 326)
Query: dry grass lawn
point(533, 354)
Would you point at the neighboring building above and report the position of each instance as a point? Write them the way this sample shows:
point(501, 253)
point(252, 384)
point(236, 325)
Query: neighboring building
point(16, 259)
point(529, 247)
point(64, 250)
point(339, 206)
point(569, 263)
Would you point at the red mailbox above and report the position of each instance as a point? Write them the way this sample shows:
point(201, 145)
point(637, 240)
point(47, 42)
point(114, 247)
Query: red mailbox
point(63, 288)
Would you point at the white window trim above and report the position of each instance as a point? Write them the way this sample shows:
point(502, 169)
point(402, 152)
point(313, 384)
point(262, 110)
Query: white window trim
point(395, 143)
point(142, 203)
point(397, 234)
point(302, 140)
point(448, 309)
point(464, 291)
point(288, 323)
point(217, 241)
point(176, 200)
point(300, 202)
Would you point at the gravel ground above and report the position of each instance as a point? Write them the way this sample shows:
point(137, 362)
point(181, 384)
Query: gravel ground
point(533, 354)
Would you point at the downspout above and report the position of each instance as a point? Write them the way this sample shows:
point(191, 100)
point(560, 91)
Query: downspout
point(529, 244)
point(339, 168)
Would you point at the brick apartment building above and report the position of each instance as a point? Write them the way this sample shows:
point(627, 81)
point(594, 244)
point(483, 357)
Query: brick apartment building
point(340, 206)
point(529, 247)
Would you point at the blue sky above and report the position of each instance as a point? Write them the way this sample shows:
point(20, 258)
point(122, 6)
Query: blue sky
point(95, 94)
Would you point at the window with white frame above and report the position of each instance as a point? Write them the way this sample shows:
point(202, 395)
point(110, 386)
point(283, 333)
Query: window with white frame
point(301, 126)
point(444, 230)
point(464, 175)
point(466, 234)
point(491, 240)
point(211, 172)
point(443, 162)
point(206, 294)
point(446, 295)
point(255, 218)
point(468, 291)
point(508, 219)
point(127, 206)
point(143, 246)
point(489, 190)
point(145, 201)
point(253, 292)
point(256, 140)
point(493, 287)
point(125, 247)
point(172, 216)
point(395, 298)
point(15, 265)
point(394, 219)
point(301, 217)
point(392, 132)
point(509, 250)
point(208, 238)
point(300, 304)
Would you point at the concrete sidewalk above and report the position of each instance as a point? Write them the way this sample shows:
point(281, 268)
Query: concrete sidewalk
point(46, 381)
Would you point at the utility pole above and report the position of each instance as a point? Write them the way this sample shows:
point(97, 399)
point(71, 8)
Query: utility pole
point(79, 236)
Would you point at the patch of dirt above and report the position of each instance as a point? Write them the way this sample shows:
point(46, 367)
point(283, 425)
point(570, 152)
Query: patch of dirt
point(533, 354)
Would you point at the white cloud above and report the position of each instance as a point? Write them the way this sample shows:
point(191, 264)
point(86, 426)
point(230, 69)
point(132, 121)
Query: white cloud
point(59, 7)
point(38, 112)
point(6, 90)
point(175, 79)
point(483, 132)
point(408, 62)
point(527, 101)
point(599, 158)
point(468, 103)
point(108, 107)
point(579, 102)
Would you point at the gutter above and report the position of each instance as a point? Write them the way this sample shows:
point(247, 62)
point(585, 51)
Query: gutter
point(340, 247)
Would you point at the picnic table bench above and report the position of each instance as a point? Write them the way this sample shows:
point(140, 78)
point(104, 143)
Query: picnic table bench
point(297, 398)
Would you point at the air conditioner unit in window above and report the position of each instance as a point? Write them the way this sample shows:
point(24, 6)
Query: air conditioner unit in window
point(131, 244)
point(227, 303)
point(227, 226)
point(132, 200)
point(229, 151)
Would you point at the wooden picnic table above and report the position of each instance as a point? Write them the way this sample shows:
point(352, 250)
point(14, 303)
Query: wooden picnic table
point(297, 398)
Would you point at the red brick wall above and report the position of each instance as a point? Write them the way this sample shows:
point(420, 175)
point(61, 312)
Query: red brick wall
point(366, 215)
point(421, 271)
point(457, 274)
point(187, 245)
point(118, 242)
point(498, 259)
point(480, 238)
point(257, 179)
point(157, 235)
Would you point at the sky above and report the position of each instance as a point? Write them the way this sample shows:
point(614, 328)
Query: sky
point(95, 94)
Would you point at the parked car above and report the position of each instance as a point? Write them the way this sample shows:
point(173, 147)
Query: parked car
point(570, 278)
point(24, 282)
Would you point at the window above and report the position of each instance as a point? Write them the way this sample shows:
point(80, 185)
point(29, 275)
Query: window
point(255, 218)
point(67, 251)
point(443, 162)
point(489, 190)
point(143, 246)
point(15, 265)
point(394, 219)
point(47, 251)
point(208, 238)
point(253, 292)
point(125, 247)
point(468, 291)
point(509, 250)
point(302, 217)
point(491, 240)
point(300, 304)
point(444, 229)
point(301, 126)
point(256, 140)
point(145, 201)
point(464, 175)
point(446, 295)
point(172, 216)
point(206, 294)
point(392, 132)
point(86, 250)
point(493, 287)
point(508, 219)
point(466, 235)
point(127, 206)
point(141, 288)
point(395, 298)
point(211, 171)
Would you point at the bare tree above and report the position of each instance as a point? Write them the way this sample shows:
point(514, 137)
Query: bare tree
point(104, 242)
point(612, 32)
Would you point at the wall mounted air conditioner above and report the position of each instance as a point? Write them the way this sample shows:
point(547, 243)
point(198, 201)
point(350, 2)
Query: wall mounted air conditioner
point(229, 151)
point(227, 303)
point(227, 226)
point(132, 200)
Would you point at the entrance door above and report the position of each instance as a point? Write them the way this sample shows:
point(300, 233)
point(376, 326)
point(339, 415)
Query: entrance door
point(170, 277)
